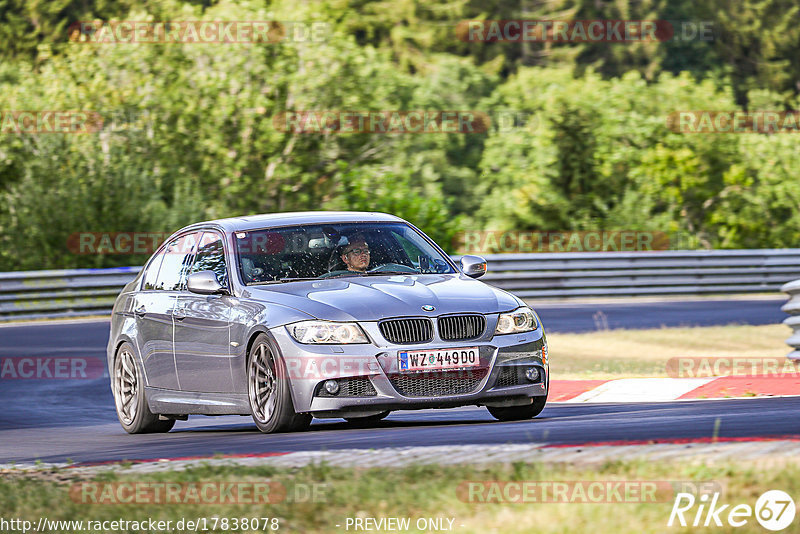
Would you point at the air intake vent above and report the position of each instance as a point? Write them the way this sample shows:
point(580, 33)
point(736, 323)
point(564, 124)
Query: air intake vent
point(437, 383)
point(460, 327)
point(407, 330)
point(510, 375)
point(354, 386)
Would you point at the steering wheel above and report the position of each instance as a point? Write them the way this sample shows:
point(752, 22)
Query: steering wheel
point(393, 267)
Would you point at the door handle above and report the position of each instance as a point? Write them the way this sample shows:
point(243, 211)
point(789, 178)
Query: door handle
point(179, 314)
point(140, 311)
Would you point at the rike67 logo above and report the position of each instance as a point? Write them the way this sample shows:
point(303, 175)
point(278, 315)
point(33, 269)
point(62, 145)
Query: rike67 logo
point(774, 510)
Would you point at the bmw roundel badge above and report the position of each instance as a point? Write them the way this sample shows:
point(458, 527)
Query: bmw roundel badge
point(428, 307)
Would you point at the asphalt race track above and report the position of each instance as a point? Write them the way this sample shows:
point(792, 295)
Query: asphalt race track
point(202, 436)
point(56, 420)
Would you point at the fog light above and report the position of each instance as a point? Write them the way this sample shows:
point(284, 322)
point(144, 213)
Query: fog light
point(332, 386)
point(532, 374)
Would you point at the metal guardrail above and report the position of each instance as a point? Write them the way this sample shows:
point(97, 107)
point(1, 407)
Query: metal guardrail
point(62, 293)
point(671, 272)
point(792, 307)
point(66, 293)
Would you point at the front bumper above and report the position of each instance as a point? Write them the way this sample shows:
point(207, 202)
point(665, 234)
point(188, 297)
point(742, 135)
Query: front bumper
point(371, 381)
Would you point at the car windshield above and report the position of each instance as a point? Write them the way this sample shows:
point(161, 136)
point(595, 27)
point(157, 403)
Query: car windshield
point(318, 251)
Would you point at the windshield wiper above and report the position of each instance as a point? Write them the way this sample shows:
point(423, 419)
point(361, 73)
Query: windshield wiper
point(282, 280)
point(338, 275)
point(376, 273)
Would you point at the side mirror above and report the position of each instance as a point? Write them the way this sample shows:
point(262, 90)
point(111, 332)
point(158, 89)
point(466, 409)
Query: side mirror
point(473, 266)
point(205, 283)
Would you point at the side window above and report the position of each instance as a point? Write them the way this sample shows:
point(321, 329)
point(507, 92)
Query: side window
point(172, 276)
point(151, 276)
point(211, 257)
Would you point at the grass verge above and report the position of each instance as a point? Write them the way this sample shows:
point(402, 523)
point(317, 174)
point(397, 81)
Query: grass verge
point(412, 492)
point(641, 353)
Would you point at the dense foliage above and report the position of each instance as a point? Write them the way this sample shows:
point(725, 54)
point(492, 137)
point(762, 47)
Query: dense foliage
point(189, 130)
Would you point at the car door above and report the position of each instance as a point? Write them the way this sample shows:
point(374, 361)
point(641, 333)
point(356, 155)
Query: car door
point(153, 310)
point(202, 326)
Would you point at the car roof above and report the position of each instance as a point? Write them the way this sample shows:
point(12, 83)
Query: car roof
point(266, 220)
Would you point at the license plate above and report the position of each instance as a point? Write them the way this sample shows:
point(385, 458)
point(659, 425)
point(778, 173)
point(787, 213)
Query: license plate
point(429, 360)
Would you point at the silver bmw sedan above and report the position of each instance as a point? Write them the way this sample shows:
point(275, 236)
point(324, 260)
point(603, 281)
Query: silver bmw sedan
point(291, 316)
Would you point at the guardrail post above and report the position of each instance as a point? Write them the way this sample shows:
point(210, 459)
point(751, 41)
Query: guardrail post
point(792, 307)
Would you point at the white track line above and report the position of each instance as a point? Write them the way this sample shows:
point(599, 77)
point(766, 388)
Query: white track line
point(641, 390)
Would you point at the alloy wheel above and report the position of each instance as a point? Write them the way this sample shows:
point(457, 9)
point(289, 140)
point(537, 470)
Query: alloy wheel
point(126, 387)
point(262, 383)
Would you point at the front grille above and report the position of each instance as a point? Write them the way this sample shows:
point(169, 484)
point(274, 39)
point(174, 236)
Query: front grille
point(407, 330)
point(460, 327)
point(355, 386)
point(437, 383)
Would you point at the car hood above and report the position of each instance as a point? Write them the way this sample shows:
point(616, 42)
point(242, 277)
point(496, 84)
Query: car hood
point(371, 298)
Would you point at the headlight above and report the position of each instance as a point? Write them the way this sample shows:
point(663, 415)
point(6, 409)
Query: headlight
point(520, 320)
point(324, 332)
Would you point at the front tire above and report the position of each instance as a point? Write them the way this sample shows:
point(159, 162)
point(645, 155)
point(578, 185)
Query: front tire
point(129, 396)
point(519, 413)
point(268, 390)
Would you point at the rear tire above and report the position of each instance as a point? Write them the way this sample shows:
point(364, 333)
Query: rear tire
point(268, 390)
point(130, 398)
point(519, 413)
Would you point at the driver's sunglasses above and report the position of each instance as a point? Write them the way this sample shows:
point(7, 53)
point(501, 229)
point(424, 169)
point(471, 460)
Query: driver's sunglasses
point(358, 251)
